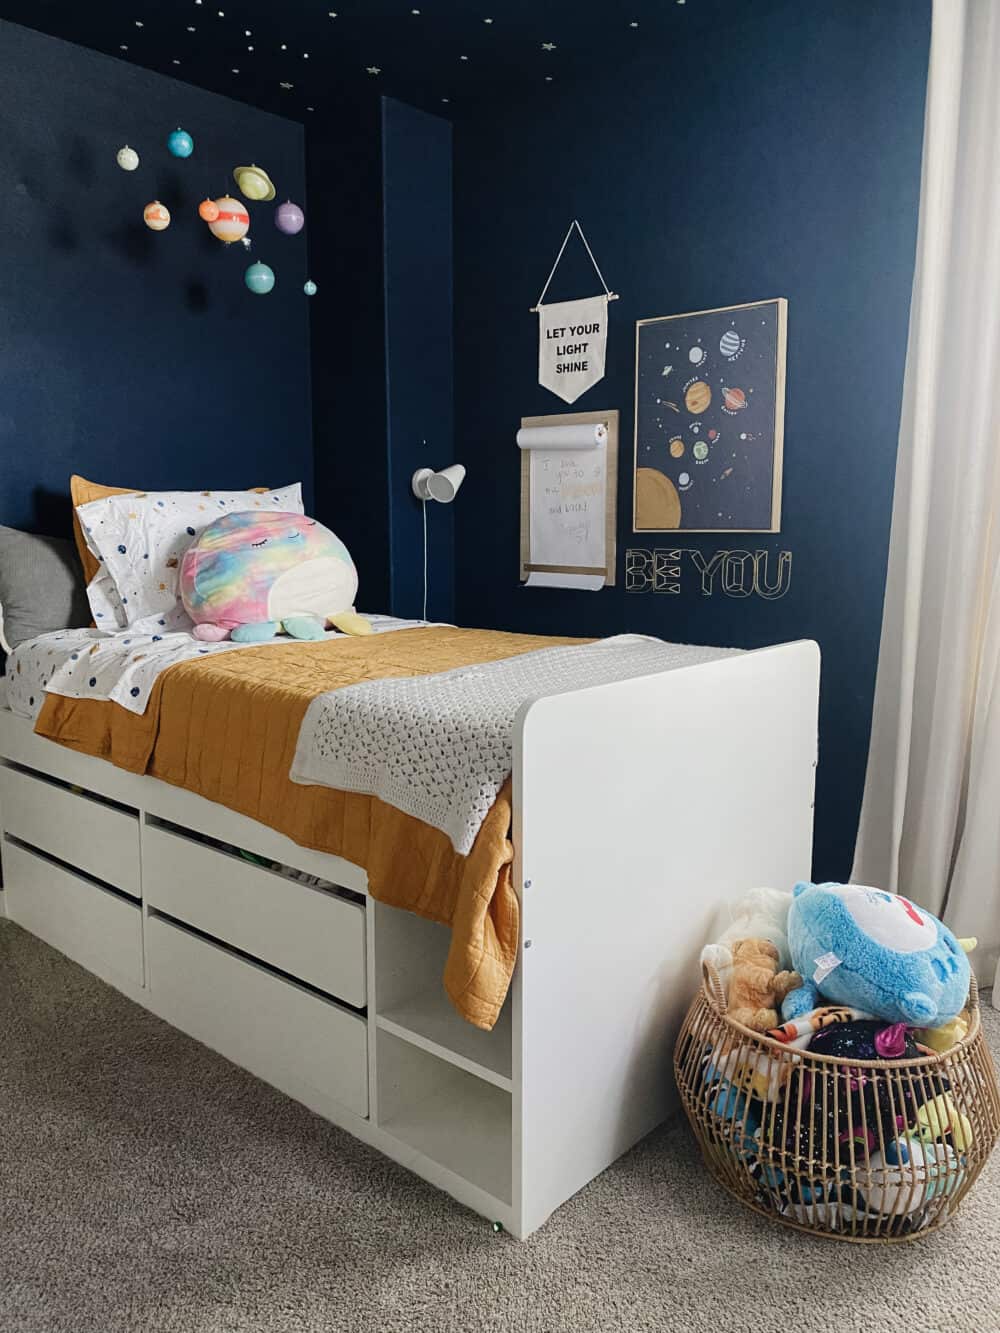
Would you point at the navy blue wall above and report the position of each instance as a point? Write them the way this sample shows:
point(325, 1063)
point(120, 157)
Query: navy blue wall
point(779, 158)
point(417, 184)
point(344, 160)
point(132, 357)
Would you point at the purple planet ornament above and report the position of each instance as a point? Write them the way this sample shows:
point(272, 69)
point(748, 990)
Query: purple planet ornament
point(289, 218)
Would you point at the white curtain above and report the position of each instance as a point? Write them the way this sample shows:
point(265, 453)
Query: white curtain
point(930, 821)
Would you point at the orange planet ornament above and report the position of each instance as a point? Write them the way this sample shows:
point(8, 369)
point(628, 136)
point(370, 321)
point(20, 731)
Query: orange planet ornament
point(208, 210)
point(232, 222)
point(156, 216)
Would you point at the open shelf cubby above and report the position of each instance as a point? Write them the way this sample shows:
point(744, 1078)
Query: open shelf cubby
point(454, 1118)
point(411, 1003)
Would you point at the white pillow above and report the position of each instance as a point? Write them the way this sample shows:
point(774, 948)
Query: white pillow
point(105, 604)
point(141, 539)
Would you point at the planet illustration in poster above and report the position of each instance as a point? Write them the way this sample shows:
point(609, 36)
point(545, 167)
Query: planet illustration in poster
point(180, 143)
point(208, 210)
point(733, 401)
point(127, 158)
point(697, 397)
point(289, 218)
point(232, 221)
point(696, 355)
point(677, 447)
point(700, 451)
point(730, 344)
point(657, 504)
point(684, 482)
point(156, 216)
point(259, 278)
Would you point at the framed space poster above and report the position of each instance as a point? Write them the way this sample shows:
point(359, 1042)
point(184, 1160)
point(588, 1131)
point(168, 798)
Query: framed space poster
point(709, 419)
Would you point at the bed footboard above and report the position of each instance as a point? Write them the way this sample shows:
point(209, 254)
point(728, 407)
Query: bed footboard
point(639, 806)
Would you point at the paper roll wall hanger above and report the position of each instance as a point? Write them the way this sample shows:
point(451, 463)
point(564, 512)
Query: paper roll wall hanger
point(569, 486)
point(562, 437)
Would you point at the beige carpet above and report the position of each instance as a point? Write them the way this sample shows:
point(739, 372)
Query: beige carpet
point(148, 1185)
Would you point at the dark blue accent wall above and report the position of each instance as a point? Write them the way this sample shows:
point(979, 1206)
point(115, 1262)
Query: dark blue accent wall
point(132, 357)
point(380, 185)
point(417, 186)
point(344, 158)
point(779, 157)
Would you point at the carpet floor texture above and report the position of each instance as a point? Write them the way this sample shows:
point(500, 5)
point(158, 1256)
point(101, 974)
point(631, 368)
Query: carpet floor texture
point(149, 1186)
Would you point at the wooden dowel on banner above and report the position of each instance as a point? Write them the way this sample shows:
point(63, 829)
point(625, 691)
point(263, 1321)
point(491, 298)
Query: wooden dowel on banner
point(533, 310)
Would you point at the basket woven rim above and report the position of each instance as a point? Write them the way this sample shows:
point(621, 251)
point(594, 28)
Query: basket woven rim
point(712, 988)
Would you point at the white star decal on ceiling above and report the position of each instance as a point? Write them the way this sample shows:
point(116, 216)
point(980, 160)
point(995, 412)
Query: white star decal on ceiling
point(373, 69)
point(548, 46)
point(286, 86)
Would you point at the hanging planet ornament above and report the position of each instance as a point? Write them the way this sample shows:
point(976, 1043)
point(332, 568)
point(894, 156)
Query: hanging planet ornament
point(156, 216)
point(310, 288)
point(254, 182)
point(208, 210)
point(259, 278)
point(289, 218)
point(180, 143)
point(246, 242)
point(127, 158)
point(232, 221)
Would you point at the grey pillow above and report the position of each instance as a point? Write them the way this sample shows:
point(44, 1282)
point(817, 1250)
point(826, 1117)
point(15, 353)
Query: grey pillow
point(41, 588)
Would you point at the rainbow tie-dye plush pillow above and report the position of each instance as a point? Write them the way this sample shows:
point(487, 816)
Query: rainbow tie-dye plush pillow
point(251, 575)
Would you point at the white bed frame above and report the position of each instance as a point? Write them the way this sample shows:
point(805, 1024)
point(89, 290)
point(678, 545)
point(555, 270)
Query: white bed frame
point(638, 807)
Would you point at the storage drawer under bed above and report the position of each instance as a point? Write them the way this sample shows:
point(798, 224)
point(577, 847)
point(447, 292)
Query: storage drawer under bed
point(96, 927)
point(98, 837)
point(311, 933)
point(286, 1034)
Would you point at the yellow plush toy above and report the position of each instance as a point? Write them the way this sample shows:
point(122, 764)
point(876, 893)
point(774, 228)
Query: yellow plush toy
point(757, 988)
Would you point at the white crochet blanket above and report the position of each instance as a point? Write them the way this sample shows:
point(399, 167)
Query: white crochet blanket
point(439, 747)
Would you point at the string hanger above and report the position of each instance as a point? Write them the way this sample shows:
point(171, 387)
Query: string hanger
point(612, 296)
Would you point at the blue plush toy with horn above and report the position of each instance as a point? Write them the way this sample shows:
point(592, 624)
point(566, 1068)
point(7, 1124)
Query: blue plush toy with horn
point(877, 952)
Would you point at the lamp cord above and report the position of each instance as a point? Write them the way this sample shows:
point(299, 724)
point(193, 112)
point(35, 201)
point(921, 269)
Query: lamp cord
point(423, 504)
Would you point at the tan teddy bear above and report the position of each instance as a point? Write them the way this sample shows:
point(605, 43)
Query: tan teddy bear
point(757, 988)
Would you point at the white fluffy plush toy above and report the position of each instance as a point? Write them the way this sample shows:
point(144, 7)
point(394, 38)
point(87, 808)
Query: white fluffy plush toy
point(760, 914)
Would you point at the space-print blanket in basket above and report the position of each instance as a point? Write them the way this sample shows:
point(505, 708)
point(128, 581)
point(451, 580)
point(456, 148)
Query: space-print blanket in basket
point(440, 747)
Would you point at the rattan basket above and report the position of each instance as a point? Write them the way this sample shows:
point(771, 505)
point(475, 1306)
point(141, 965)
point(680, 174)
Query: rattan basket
point(834, 1148)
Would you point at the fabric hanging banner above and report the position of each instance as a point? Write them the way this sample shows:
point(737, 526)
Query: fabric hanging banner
point(572, 341)
point(572, 335)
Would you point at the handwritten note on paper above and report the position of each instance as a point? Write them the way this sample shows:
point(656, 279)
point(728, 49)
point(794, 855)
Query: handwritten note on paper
point(567, 508)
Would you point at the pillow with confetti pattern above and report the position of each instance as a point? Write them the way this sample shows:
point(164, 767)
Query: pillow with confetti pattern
point(141, 539)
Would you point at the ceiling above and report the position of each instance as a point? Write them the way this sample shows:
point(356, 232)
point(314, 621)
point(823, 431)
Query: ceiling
point(299, 57)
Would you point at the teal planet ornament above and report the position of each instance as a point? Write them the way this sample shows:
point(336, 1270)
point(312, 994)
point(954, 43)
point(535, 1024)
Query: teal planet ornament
point(180, 143)
point(259, 278)
point(310, 288)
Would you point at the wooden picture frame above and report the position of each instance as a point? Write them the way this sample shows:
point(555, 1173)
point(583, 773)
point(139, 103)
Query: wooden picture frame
point(709, 419)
